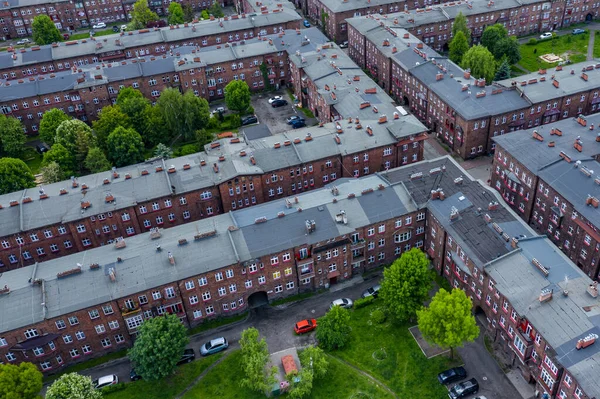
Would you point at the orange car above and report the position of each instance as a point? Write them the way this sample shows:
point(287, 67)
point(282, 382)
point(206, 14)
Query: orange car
point(305, 326)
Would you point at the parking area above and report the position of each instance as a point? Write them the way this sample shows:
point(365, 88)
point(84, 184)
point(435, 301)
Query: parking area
point(275, 118)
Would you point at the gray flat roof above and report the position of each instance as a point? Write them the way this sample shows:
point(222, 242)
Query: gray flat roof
point(534, 154)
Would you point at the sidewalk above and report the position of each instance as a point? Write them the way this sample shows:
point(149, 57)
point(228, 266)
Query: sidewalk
point(526, 390)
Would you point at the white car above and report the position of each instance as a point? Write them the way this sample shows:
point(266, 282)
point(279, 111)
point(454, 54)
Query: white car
point(99, 25)
point(106, 381)
point(547, 35)
point(345, 303)
point(123, 27)
point(23, 41)
point(275, 99)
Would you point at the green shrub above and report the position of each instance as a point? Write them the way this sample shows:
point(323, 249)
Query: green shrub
point(114, 388)
point(378, 316)
point(362, 302)
point(234, 121)
point(187, 150)
point(532, 42)
point(204, 14)
point(249, 111)
point(213, 123)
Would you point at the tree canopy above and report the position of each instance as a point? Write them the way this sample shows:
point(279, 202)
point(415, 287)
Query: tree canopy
point(176, 15)
point(237, 95)
point(71, 386)
point(255, 355)
point(458, 47)
point(16, 175)
point(163, 151)
point(44, 30)
point(188, 13)
point(20, 382)
point(406, 284)
point(12, 137)
point(460, 25)
point(74, 133)
point(503, 71)
point(334, 328)
point(158, 346)
point(182, 114)
point(314, 358)
point(216, 10)
point(135, 106)
point(480, 62)
point(154, 129)
point(141, 15)
point(59, 154)
point(495, 38)
point(125, 146)
point(96, 161)
point(492, 35)
point(448, 321)
point(51, 173)
point(51, 120)
point(108, 120)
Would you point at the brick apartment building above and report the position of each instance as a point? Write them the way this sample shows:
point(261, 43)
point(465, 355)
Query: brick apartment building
point(464, 112)
point(254, 255)
point(547, 176)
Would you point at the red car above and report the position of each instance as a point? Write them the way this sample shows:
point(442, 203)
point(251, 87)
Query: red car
point(305, 326)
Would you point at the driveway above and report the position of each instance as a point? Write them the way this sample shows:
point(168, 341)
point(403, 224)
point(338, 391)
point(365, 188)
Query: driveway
point(275, 118)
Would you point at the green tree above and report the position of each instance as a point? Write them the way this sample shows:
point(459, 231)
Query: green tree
point(163, 151)
point(237, 95)
point(16, 175)
point(255, 355)
point(125, 147)
point(492, 35)
point(96, 161)
point(334, 328)
point(158, 346)
point(503, 71)
point(196, 113)
point(188, 13)
point(406, 284)
point(508, 48)
point(141, 15)
point(59, 154)
point(314, 358)
point(448, 321)
point(203, 137)
point(182, 115)
point(44, 30)
point(51, 120)
point(155, 129)
point(216, 10)
point(302, 386)
point(460, 25)
point(109, 119)
point(20, 382)
point(72, 135)
point(134, 105)
point(51, 173)
point(481, 63)
point(12, 137)
point(176, 15)
point(458, 47)
point(71, 386)
point(205, 15)
point(128, 93)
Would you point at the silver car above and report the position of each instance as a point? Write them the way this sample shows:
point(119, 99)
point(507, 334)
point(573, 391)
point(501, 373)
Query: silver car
point(345, 303)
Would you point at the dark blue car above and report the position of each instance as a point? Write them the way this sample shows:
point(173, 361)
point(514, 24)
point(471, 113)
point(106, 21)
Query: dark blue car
point(306, 23)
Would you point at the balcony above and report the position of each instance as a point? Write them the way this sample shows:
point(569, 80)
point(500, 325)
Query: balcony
point(357, 244)
point(126, 310)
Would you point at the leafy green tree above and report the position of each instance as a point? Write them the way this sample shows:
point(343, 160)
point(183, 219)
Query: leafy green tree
point(481, 63)
point(314, 358)
point(51, 120)
point(155, 129)
point(448, 321)
point(255, 355)
point(176, 15)
point(134, 105)
point(20, 382)
point(492, 35)
point(237, 95)
point(503, 71)
point(44, 30)
point(141, 15)
point(125, 147)
point(203, 137)
point(96, 161)
point(196, 113)
point(508, 48)
point(109, 119)
point(182, 114)
point(163, 151)
point(16, 175)
point(458, 47)
point(406, 284)
point(216, 10)
point(188, 13)
point(73, 386)
point(51, 173)
point(128, 93)
point(205, 15)
point(158, 346)
point(460, 25)
point(302, 385)
point(334, 328)
point(12, 137)
point(73, 134)
point(59, 154)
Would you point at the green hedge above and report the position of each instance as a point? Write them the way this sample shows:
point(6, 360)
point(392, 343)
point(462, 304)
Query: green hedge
point(362, 302)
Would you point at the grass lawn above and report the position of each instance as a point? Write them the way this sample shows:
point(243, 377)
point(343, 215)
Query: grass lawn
point(342, 382)
point(389, 353)
point(221, 321)
point(32, 158)
point(86, 35)
point(167, 387)
point(575, 47)
point(597, 45)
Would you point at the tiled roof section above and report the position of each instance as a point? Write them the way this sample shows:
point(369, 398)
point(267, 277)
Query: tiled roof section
point(535, 154)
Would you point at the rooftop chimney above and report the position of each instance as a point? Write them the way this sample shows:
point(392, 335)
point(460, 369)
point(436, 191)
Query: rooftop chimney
point(593, 289)
point(311, 226)
point(545, 295)
point(587, 341)
point(454, 213)
point(112, 274)
point(171, 257)
point(341, 217)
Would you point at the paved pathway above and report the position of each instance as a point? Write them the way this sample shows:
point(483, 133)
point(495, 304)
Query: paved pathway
point(590, 52)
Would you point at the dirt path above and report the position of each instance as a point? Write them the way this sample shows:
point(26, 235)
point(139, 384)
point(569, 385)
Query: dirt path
point(193, 383)
point(590, 49)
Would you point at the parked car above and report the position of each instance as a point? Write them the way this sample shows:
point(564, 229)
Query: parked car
point(293, 118)
point(305, 326)
point(306, 24)
point(133, 376)
point(278, 103)
point(546, 35)
point(99, 25)
point(298, 123)
point(41, 148)
point(371, 291)
point(452, 375)
point(23, 41)
point(123, 28)
point(115, 29)
point(219, 110)
point(66, 36)
point(248, 120)
point(106, 381)
point(342, 302)
point(275, 99)
point(463, 389)
point(188, 356)
point(214, 346)
point(578, 31)
point(344, 44)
